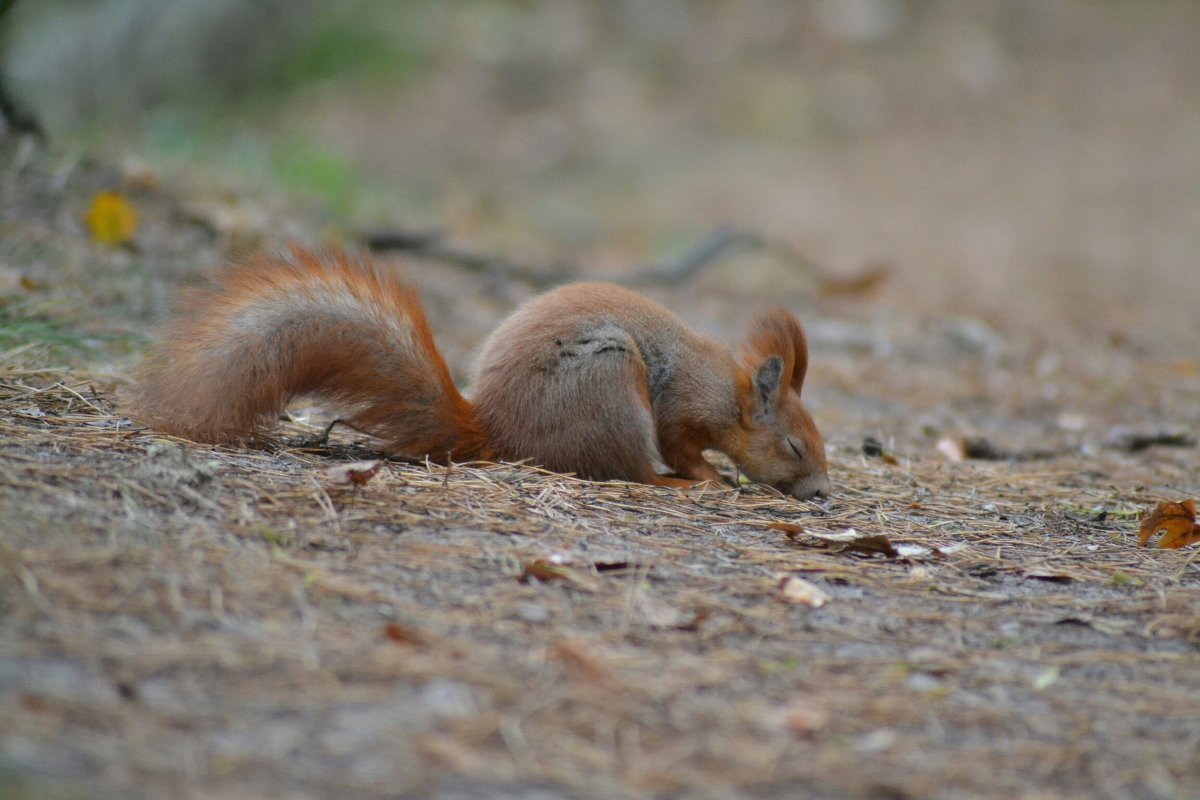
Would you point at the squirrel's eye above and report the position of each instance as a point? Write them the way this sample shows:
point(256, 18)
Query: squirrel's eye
point(797, 447)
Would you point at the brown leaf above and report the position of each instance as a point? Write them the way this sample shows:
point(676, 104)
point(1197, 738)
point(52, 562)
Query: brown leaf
point(849, 539)
point(13, 282)
point(698, 618)
point(557, 568)
point(806, 717)
point(863, 283)
point(545, 570)
point(355, 473)
point(402, 634)
point(576, 657)
point(1177, 521)
point(791, 529)
point(874, 448)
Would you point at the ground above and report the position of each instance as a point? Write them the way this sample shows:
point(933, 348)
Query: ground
point(986, 216)
point(179, 620)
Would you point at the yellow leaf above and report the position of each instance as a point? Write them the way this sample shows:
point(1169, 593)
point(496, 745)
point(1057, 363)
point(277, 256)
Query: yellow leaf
point(111, 219)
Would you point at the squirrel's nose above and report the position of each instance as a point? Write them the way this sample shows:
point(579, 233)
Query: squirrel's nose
point(812, 489)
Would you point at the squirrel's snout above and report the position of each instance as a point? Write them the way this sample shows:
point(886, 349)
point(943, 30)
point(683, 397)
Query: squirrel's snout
point(815, 487)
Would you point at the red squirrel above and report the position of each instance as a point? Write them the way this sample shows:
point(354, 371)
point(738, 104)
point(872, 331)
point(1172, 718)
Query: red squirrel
point(588, 378)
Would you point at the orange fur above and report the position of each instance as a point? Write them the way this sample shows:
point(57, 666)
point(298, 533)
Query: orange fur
point(589, 378)
point(273, 328)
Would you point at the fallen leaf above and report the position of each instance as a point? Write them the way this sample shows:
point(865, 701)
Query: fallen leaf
point(580, 661)
point(34, 702)
point(863, 283)
point(545, 570)
point(110, 219)
point(806, 717)
point(241, 224)
point(657, 613)
point(952, 449)
point(874, 448)
point(696, 621)
point(402, 634)
point(450, 753)
point(798, 590)
point(1177, 521)
point(532, 612)
point(912, 551)
point(1123, 579)
point(850, 539)
point(556, 568)
point(791, 529)
point(1047, 678)
point(1071, 421)
point(139, 176)
point(1186, 368)
point(13, 282)
point(874, 742)
point(356, 473)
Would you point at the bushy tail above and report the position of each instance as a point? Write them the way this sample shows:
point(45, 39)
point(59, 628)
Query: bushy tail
point(334, 327)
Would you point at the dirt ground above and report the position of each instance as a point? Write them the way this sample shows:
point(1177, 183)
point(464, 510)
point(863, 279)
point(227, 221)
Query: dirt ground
point(183, 621)
point(193, 622)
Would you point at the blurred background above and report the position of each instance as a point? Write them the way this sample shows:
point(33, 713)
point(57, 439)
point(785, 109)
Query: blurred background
point(1031, 163)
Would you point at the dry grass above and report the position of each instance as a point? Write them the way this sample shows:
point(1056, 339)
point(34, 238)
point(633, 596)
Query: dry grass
point(186, 621)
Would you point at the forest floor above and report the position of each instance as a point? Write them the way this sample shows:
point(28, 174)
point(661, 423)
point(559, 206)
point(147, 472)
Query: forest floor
point(186, 621)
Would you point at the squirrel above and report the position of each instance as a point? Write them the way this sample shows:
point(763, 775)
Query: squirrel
point(588, 378)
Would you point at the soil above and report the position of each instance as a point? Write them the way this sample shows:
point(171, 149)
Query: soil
point(187, 621)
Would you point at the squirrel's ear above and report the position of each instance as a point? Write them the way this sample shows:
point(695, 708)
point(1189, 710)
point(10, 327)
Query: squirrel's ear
point(778, 333)
point(768, 385)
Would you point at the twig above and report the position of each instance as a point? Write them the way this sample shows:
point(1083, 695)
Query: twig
point(721, 244)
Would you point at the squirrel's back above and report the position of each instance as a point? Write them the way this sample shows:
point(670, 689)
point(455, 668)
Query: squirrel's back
point(581, 378)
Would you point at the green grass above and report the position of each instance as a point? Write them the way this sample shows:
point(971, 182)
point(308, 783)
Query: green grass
point(303, 167)
point(27, 325)
point(349, 47)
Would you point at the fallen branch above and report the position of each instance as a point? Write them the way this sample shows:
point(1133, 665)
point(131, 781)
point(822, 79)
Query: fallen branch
point(718, 246)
